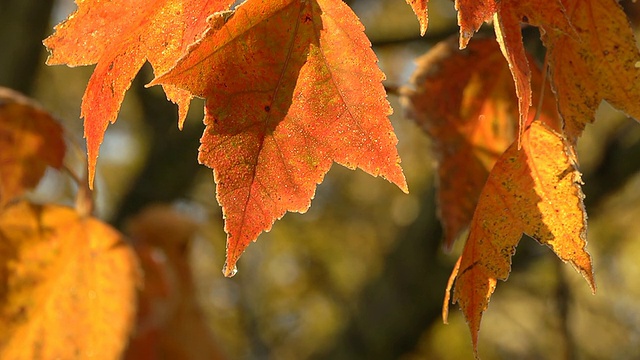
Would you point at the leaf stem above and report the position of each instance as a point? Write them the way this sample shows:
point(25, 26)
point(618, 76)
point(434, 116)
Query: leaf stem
point(84, 198)
point(545, 74)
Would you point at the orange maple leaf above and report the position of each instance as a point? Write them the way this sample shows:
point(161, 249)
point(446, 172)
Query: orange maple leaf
point(30, 140)
point(69, 285)
point(291, 86)
point(534, 190)
point(509, 35)
point(119, 36)
point(470, 127)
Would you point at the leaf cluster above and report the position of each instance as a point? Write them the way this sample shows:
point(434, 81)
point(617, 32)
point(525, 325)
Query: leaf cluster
point(292, 86)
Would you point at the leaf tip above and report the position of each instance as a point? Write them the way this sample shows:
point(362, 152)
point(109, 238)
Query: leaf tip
point(404, 187)
point(91, 176)
point(49, 46)
point(92, 160)
point(397, 177)
point(424, 22)
point(587, 273)
point(420, 9)
point(447, 292)
point(465, 36)
point(234, 251)
point(158, 80)
point(592, 285)
point(229, 269)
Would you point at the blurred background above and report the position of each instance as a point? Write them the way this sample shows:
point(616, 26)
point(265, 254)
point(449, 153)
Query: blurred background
point(361, 275)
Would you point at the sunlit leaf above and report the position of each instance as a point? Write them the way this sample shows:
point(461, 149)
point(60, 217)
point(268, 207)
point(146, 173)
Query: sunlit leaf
point(591, 51)
point(119, 36)
point(472, 125)
point(471, 15)
point(600, 61)
point(534, 191)
point(291, 87)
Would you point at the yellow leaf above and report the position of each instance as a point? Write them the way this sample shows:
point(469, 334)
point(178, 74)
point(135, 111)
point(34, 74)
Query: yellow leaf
point(67, 285)
point(536, 191)
point(591, 51)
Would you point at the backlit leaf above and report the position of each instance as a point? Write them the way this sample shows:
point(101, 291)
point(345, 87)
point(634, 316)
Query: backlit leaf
point(67, 285)
point(119, 36)
point(291, 86)
point(591, 52)
point(601, 63)
point(534, 191)
point(30, 140)
point(470, 127)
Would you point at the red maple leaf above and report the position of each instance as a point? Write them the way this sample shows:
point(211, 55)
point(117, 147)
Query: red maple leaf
point(291, 87)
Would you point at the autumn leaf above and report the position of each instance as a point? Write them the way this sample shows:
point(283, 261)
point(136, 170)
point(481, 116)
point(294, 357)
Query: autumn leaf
point(591, 52)
point(30, 140)
point(68, 286)
point(534, 191)
point(470, 127)
point(601, 63)
point(119, 36)
point(171, 324)
point(290, 87)
point(420, 9)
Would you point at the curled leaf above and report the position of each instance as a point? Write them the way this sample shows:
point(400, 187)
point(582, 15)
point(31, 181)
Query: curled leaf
point(30, 140)
point(591, 51)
